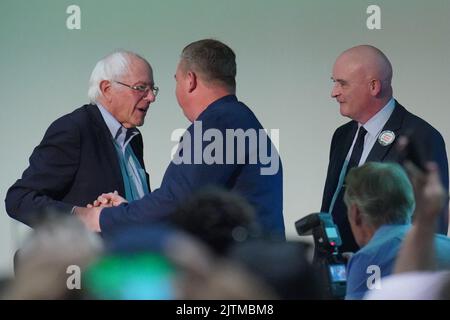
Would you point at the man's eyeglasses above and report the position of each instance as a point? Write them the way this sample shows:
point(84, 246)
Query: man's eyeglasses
point(141, 88)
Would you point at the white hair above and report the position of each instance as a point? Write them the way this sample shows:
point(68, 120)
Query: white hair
point(110, 67)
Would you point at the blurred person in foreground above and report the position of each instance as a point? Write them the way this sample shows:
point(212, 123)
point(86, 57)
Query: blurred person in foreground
point(282, 266)
point(217, 217)
point(380, 203)
point(418, 275)
point(56, 249)
point(147, 262)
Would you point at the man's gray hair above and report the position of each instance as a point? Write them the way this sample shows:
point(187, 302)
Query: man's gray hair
point(111, 67)
point(382, 191)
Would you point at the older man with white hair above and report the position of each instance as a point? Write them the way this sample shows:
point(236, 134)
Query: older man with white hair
point(94, 149)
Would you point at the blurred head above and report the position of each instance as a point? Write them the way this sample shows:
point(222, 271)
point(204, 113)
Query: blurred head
point(136, 264)
point(217, 217)
point(123, 83)
point(207, 67)
point(377, 194)
point(282, 266)
point(203, 275)
point(362, 79)
point(148, 262)
point(48, 255)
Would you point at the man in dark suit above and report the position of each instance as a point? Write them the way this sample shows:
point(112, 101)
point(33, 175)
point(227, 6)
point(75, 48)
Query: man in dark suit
point(225, 146)
point(362, 86)
point(94, 149)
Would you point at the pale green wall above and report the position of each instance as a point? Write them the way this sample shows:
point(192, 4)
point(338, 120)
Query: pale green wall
point(285, 51)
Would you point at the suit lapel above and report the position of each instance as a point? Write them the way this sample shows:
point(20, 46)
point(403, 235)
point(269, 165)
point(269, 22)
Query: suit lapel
point(340, 145)
point(104, 137)
point(394, 124)
point(344, 145)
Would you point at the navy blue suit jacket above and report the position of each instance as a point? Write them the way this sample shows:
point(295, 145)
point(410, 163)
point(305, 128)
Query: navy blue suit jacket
point(75, 162)
point(264, 192)
point(401, 122)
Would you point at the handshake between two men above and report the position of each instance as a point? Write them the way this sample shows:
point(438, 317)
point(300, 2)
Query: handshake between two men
point(90, 215)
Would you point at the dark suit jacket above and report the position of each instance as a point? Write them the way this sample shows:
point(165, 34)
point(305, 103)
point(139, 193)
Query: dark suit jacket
point(75, 162)
point(401, 122)
point(264, 192)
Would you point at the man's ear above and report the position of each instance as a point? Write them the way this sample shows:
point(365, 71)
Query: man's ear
point(355, 215)
point(375, 87)
point(192, 79)
point(105, 88)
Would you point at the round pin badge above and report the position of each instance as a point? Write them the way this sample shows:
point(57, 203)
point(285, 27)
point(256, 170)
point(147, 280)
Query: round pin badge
point(386, 138)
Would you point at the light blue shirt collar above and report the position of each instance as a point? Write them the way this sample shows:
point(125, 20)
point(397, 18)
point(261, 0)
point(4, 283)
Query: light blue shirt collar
point(377, 122)
point(118, 132)
point(374, 127)
point(387, 229)
point(112, 123)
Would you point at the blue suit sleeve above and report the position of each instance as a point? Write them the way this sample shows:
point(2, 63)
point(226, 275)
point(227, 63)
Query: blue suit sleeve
point(179, 181)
